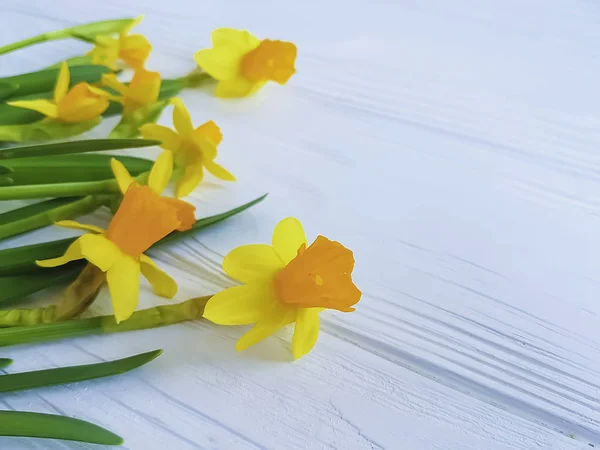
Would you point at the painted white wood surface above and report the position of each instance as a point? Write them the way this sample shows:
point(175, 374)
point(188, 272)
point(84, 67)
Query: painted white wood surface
point(454, 147)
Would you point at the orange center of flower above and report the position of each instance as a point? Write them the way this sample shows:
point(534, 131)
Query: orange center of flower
point(143, 219)
point(270, 61)
point(320, 276)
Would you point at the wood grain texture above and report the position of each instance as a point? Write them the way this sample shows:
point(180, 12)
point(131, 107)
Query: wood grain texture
point(455, 147)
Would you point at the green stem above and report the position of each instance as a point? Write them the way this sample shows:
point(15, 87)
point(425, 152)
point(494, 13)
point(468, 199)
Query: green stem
point(76, 189)
point(158, 316)
point(194, 79)
point(77, 208)
point(24, 43)
point(77, 298)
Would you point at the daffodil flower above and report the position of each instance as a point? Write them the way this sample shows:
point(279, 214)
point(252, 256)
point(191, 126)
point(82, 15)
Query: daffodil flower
point(142, 91)
point(79, 104)
point(242, 63)
point(132, 49)
point(285, 283)
point(194, 148)
point(143, 218)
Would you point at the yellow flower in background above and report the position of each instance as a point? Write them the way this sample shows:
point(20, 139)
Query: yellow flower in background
point(194, 149)
point(242, 63)
point(143, 218)
point(79, 104)
point(142, 91)
point(132, 49)
point(285, 283)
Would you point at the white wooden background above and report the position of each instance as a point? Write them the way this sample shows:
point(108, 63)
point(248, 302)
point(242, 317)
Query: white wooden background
point(453, 145)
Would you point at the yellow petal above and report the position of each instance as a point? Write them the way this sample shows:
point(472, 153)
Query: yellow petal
point(222, 62)
point(306, 332)
point(123, 280)
point(211, 130)
point(181, 117)
point(240, 305)
point(45, 107)
point(218, 171)
point(242, 40)
point(192, 176)
point(110, 80)
point(134, 50)
point(81, 104)
point(98, 250)
point(106, 52)
point(204, 145)
point(266, 326)
point(288, 237)
point(162, 284)
point(251, 263)
point(143, 89)
point(238, 87)
point(169, 138)
point(73, 253)
point(79, 226)
point(62, 83)
point(161, 172)
point(122, 175)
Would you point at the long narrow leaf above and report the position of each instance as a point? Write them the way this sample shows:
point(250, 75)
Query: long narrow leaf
point(81, 146)
point(77, 161)
point(44, 80)
point(37, 208)
point(5, 362)
point(46, 213)
point(73, 374)
point(30, 424)
point(14, 287)
point(7, 89)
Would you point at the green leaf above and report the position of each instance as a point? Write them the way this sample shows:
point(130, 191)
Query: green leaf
point(73, 374)
point(30, 424)
point(16, 287)
point(7, 89)
point(31, 210)
point(44, 80)
point(85, 60)
point(5, 362)
point(12, 116)
point(46, 213)
point(76, 161)
point(73, 170)
point(79, 146)
point(207, 221)
point(66, 169)
point(21, 260)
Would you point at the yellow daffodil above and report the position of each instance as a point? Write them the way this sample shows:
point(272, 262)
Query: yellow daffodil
point(194, 148)
point(242, 63)
point(142, 91)
point(284, 283)
point(79, 104)
point(132, 49)
point(143, 218)
point(159, 177)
